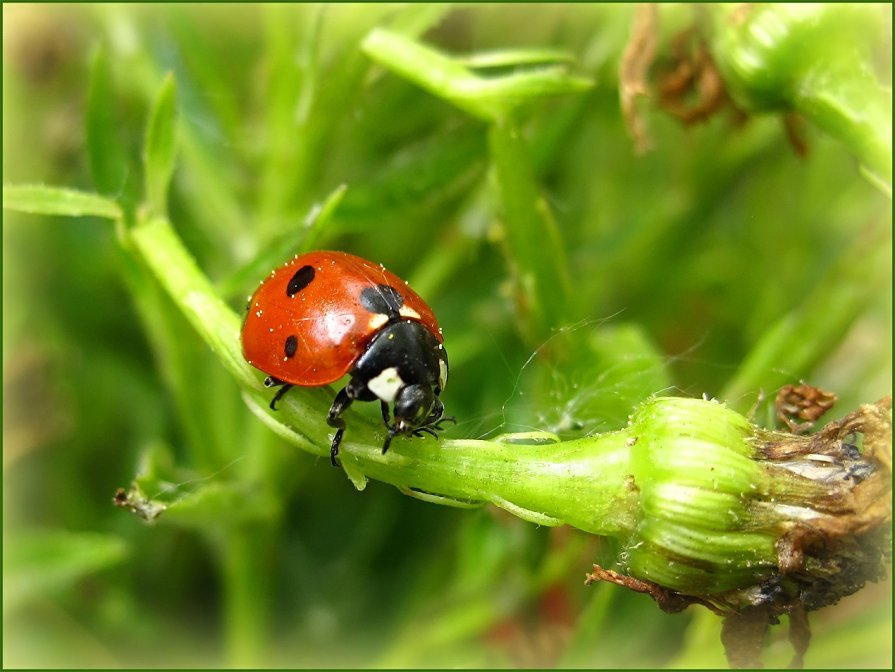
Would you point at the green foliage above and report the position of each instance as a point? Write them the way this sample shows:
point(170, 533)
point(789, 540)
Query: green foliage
point(573, 280)
point(45, 200)
point(490, 98)
point(47, 562)
point(111, 164)
point(160, 147)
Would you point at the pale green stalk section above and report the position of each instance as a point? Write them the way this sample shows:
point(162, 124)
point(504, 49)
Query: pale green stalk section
point(580, 483)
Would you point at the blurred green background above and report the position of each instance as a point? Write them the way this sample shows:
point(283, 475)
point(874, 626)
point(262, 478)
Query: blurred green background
point(683, 258)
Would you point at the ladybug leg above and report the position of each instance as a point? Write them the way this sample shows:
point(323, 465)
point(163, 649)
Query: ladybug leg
point(386, 416)
point(434, 427)
point(270, 381)
point(340, 405)
point(448, 418)
point(389, 435)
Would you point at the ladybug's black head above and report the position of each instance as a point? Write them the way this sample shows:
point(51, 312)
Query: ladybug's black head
point(417, 409)
point(404, 365)
point(413, 406)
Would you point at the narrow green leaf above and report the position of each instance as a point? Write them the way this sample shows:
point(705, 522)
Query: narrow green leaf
point(489, 98)
point(502, 58)
point(424, 66)
point(43, 200)
point(285, 245)
point(502, 94)
point(222, 505)
point(111, 165)
point(161, 146)
point(533, 240)
point(319, 217)
point(38, 563)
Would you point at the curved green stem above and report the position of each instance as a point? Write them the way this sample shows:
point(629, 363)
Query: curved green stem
point(176, 269)
point(815, 59)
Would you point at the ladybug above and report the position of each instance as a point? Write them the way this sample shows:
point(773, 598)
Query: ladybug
point(323, 315)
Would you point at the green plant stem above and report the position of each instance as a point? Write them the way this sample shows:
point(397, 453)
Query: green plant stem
point(850, 104)
point(524, 480)
point(242, 549)
point(40, 199)
point(814, 59)
point(534, 246)
point(164, 254)
point(246, 611)
point(533, 240)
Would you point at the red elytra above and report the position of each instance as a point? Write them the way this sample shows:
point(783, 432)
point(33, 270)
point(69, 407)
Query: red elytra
point(311, 319)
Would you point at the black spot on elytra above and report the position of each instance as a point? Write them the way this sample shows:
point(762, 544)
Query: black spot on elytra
point(291, 345)
point(302, 278)
point(382, 299)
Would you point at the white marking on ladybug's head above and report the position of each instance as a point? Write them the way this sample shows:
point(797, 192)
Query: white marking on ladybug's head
point(442, 374)
point(377, 321)
point(406, 311)
point(386, 384)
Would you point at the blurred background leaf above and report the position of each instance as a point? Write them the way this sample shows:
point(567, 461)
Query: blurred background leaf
point(720, 263)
